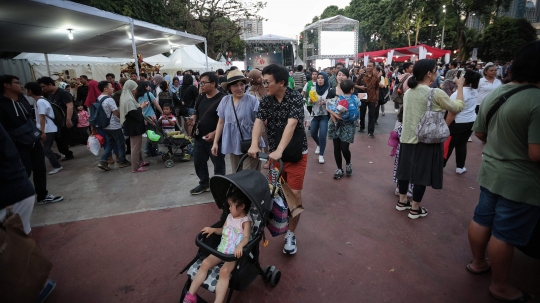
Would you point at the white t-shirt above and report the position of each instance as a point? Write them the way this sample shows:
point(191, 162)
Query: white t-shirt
point(469, 97)
point(43, 107)
point(485, 87)
point(109, 106)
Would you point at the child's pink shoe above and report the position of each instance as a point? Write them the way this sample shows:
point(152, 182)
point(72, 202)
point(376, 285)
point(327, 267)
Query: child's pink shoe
point(189, 298)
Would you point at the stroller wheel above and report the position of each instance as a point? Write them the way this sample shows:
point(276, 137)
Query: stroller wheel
point(268, 273)
point(169, 163)
point(276, 276)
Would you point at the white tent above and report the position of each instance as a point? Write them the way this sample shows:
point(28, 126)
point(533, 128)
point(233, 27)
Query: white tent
point(74, 66)
point(179, 60)
point(159, 59)
point(193, 52)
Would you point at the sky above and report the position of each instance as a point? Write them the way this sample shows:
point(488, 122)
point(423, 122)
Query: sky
point(288, 17)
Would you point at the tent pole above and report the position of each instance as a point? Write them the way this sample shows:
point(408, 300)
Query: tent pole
point(206, 54)
point(134, 47)
point(47, 62)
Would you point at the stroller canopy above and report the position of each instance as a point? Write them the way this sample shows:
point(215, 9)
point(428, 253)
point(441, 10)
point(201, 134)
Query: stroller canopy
point(251, 182)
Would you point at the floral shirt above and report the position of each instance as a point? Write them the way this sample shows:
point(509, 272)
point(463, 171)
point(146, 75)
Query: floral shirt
point(277, 114)
point(372, 85)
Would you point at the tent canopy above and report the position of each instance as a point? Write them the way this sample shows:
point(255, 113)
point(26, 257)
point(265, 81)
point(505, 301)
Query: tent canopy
point(39, 59)
point(41, 26)
point(403, 54)
point(190, 57)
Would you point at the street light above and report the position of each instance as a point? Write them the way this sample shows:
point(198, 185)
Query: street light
point(444, 23)
point(431, 36)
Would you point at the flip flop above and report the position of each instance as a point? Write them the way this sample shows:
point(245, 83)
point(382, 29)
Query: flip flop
point(144, 164)
point(525, 297)
point(140, 170)
point(477, 272)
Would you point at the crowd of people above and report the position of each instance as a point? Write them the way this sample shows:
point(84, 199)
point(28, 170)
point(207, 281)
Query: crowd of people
point(236, 112)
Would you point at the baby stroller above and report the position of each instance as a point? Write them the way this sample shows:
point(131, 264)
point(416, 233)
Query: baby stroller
point(178, 144)
point(255, 186)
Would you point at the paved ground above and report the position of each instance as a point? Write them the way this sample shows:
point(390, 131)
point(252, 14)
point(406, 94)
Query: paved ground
point(123, 237)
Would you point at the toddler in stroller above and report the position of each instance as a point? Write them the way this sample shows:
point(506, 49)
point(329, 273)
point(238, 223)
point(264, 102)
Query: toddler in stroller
point(234, 236)
point(246, 202)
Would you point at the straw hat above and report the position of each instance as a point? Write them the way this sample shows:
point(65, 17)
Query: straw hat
point(233, 76)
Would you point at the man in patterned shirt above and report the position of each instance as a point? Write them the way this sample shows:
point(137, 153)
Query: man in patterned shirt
point(283, 110)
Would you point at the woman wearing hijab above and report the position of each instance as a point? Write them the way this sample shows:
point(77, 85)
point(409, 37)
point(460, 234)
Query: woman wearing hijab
point(132, 121)
point(319, 123)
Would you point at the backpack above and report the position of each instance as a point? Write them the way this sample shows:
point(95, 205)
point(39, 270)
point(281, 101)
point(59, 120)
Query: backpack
point(98, 118)
point(352, 113)
point(59, 115)
point(397, 94)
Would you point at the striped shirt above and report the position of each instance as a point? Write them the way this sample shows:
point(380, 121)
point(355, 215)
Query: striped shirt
point(299, 80)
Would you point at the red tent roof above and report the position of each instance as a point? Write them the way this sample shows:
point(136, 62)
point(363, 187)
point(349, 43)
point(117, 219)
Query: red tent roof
point(402, 54)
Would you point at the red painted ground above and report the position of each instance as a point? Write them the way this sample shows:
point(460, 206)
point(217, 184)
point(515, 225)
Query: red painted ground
point(353, 246)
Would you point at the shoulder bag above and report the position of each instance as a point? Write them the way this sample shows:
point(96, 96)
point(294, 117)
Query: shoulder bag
point(244, 144)
point(432, 127)
point(293, 151)
point(26, 134)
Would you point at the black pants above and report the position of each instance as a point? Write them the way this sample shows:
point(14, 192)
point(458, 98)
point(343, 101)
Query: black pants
point(201, 153)
point(363, 109)
point(62, 140)
point(341, 148)
point(460, 133)
point(372, 113)
point(33, 159)
point(417, 193)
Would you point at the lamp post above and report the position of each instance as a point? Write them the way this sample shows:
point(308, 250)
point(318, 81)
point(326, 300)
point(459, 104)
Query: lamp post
point(431, 35)
point(444, 22)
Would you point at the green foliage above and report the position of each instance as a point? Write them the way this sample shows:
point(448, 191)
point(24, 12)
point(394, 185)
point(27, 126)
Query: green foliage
point(469, 41)
point(331, 11)
point(502, 38)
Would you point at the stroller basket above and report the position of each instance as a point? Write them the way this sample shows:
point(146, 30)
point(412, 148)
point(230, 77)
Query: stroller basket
point(255, 187)
point(175, 146)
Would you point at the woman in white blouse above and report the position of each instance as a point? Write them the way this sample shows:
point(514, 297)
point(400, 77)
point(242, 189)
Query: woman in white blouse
point(487, 84)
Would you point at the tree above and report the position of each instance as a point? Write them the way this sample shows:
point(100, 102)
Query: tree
point(370, 15)
point(504, 37)
point(212, 18)
point(470, 39)
point(332, 11)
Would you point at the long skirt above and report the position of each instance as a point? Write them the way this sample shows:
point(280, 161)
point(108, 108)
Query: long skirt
point(421, 164)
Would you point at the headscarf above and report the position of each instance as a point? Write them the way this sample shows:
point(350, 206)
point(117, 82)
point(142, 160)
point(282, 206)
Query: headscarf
point(322, 89)
point(258, 89)
point(93, 93)
point(127, 100)
point(158, 79)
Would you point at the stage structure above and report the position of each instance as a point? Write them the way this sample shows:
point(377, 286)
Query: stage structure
point(267, 49)
point(331, 40)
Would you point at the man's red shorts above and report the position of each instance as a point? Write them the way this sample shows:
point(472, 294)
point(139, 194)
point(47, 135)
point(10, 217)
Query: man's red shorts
point(293, 173)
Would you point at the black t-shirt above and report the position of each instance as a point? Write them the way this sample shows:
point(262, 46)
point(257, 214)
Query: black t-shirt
point(206, 111)
point(62, 98)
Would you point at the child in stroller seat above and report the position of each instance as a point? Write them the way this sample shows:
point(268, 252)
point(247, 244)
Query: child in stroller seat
point(234, 236)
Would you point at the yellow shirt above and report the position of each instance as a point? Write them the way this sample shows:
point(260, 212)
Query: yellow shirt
point(415, 106)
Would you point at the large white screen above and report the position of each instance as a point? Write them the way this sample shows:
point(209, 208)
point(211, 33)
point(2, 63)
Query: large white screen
point(337, 43)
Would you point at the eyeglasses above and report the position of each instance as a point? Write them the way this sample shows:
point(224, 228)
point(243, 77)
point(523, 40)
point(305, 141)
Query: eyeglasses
point(266, 83)
point(202, 83)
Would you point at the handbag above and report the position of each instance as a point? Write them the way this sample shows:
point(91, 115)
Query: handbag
point(278, 222)
point(26, 134)
point(293, 151)
point(432, 127)
point(244, 144)
point(24, 267)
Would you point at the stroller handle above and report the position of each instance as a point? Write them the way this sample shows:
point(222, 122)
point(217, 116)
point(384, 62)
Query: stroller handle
point(261, 156)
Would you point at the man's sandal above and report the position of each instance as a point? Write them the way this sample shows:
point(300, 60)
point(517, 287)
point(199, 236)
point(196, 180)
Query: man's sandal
point(401, 206)
point(417, 213)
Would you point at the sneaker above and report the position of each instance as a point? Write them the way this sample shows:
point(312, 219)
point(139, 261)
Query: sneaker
point(348, 170)
point(189, 298)
point(418, 213)
point(55, 170)
point(318, 150)
point(361, 130)
point(338, 174)
point(104, 165)
point(66, 158)
point(199, 190)
point(50, 199)
point(61, 157)
point(124, 164)
point(46, 291)
point(460, 170)
point(371, 136)
point(290, 243)
point(469, 140)
point(321, 159)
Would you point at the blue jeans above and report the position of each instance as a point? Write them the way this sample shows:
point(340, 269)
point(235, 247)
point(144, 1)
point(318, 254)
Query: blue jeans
point(202, 150)
point(102, 133)
point(115, 138)
point(319, 130)
point(510, 221)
